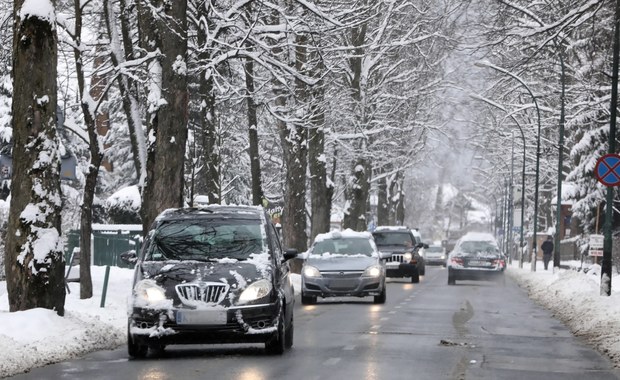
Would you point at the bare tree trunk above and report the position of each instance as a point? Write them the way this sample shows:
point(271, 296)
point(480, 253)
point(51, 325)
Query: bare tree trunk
point(321, 190)
point(211, 155)
point(357, 192)
point(96, 156)
point(400, 204)
point(126, 85)
point(257, 190)
point(168, 110)
point(34, 259)
point(357, 195)
point(383, 205)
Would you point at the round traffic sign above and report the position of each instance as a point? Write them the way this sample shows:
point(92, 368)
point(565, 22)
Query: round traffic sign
point(607, 169)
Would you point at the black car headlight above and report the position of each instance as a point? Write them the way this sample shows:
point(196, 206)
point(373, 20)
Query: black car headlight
point(148, 294)
point(255, 291)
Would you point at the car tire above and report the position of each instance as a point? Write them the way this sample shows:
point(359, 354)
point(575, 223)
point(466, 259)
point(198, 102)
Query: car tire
point(307, 300)
point(415, 278)
point(135, 350)
point(288, 336)
point(277, 343)
point(380, 299)
point(451, 279)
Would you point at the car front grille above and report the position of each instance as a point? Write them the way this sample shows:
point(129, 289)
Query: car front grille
point(395, 258)
point(341, 275)
point(207, 292)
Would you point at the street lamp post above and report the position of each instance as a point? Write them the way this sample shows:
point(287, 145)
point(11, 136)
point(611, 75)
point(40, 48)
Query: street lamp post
point(490, 102)
point(527, 88)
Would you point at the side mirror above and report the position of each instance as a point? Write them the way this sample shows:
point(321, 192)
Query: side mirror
point(129, 257)
point(425, 245)
point(290, 253)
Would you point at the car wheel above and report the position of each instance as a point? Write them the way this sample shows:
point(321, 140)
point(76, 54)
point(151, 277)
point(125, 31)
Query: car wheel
point(380, 299)
point(451, 280)
point(307, 300)
point(423, 271)
point(277, 343)
point(134, 349)
point(288, 336)
point(415, 278)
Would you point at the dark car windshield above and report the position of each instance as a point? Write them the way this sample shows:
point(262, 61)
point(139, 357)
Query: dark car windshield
point(206, 240)
point(393, 238)
point(347, 246)
point(474, 247)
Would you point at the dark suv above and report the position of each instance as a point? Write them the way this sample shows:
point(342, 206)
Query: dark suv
point(215, 274)
point(405, 260)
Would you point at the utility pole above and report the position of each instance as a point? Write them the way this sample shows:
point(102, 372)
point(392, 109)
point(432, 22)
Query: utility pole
point(558, 222)
point(607, 242)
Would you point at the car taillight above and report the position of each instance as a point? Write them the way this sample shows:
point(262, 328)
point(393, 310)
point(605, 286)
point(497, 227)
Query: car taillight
point(499, 262)
point(457, 260)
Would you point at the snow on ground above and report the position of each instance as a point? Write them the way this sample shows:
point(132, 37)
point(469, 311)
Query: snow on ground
point(37, 337)
point(574, 298)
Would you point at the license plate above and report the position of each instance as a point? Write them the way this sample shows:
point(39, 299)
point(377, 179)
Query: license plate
point(201, 317)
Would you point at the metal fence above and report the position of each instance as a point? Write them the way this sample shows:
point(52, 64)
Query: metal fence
point(108, 243)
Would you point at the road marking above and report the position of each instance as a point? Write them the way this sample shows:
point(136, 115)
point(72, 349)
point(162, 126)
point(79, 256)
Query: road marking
point(397, 307)
point(331, 361)
point(391, 312)
point(375, 327)
point(350, 347)
point(384, 318)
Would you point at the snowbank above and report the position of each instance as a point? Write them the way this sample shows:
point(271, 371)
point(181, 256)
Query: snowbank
point(574, 298)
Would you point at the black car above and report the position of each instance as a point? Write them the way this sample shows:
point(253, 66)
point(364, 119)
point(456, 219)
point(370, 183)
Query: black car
point(215, 274)
point(405, 259)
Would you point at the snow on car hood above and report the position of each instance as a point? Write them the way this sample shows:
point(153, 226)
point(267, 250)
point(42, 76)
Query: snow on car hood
point(480, 254)
point(236, 274)
point(331, 262)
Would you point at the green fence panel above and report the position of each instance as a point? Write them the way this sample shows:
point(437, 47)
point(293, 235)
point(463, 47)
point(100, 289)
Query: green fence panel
point(107, 246)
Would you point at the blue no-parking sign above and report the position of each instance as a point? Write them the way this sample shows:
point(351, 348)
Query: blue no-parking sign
point(607, 169)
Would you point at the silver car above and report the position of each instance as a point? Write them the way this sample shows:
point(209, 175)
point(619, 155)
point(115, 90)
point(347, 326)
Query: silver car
point(476, 256)
point(343, 264)
point(435, 255)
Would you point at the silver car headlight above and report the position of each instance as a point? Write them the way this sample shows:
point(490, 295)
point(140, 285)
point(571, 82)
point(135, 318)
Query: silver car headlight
point(311, 272)
point(148, 293)
point(373, 271)
point(407, 257)
point(256, 290)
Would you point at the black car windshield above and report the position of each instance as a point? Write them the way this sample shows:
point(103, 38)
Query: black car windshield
point(345, 246)
point(475, 247)
point(393, 238)
point(206, 240)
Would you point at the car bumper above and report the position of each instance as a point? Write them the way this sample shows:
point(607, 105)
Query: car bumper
point(342, 287)
point(245, 324)
point(401, 270)
point(437, 261)
point(475, 274)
